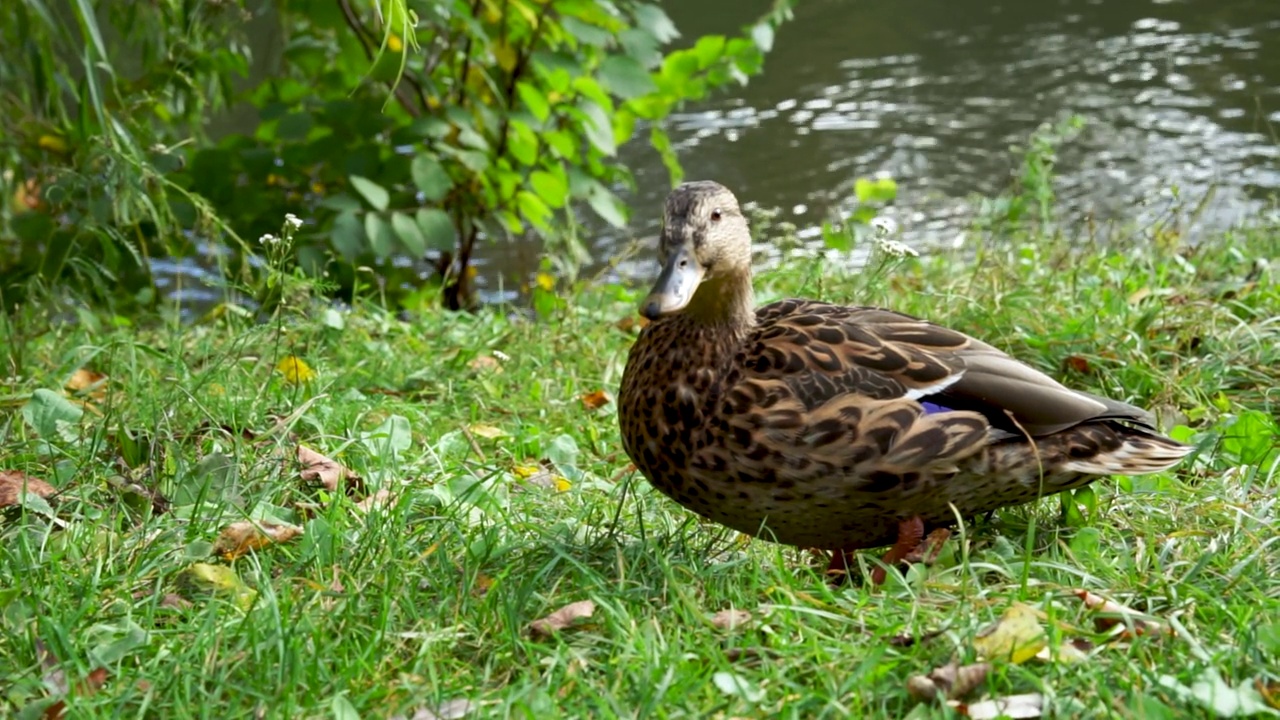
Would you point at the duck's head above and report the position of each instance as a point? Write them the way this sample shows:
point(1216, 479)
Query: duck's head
point(705, 249)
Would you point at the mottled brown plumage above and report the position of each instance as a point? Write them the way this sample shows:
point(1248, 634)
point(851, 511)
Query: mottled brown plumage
point(819, 425)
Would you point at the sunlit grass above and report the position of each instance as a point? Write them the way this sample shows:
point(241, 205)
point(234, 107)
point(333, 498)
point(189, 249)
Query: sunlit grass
point(426, 601)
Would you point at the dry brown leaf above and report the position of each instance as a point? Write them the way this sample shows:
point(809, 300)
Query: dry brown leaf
point(595, 400)
point(562, 618)
point(329, 474)
point(487, 363)
point(1078, 364)
point(1013, 707)
point(377, 501)
point(13, 482)
point(927, 552)
point(949, 681)
point(87, 382)
point(174, 601)
point(908, 640)
point(729, 618)
point(1112, 613)
point(55, 678)
point(239, 538)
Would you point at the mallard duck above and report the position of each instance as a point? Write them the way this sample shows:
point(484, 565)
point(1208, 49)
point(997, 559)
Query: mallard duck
point(843, 428)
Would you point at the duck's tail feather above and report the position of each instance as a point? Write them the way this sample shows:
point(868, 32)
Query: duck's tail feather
point(1138, 453)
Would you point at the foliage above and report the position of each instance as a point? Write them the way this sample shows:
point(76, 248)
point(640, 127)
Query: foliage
point(451, 122)
point(465, 538)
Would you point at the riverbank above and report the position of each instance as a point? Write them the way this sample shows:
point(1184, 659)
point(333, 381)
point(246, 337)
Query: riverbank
point(469, 481)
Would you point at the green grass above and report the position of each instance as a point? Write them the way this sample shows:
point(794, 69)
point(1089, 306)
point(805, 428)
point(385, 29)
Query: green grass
point(429, 599)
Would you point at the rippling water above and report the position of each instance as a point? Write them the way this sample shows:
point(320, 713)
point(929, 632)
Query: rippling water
point(935, 92)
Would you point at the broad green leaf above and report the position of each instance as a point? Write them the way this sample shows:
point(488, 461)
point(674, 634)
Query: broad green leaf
point(625, 77)
point(409, 233)
point(109, 643)
point(392, 438)
point(381, 237)
point(607, 206)
point(347, 235)
point(563, 143)
point(437, 228)
point(534, 100)
point(534, 209)
point(598, 127)
point(52, 415)
point(553, 190)
point(372, 192)
point(430, 177)
point(762, 34)
point(523, 142)
point(653, 20)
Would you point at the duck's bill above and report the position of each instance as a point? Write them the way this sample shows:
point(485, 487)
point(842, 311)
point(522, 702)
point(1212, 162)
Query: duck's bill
point(675, 285)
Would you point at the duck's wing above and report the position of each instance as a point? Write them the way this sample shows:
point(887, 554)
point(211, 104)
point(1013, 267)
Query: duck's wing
point(873, 390)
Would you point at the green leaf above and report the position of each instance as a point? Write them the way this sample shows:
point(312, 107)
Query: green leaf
point(563, 143)
point(534, 209)
point(430, 177)
point(437, 228)
point(409, 233)
point(607, 205)
point(109, 643)
point(52, 415)
point(762, 34)
point(553, 189)
point(347, 235)
point(375, 194)
point(598, 127)
point(390, 439)
point(534, 100)
point(381, 237)
point(522, 142)
point(653, 20)
point(625, 77)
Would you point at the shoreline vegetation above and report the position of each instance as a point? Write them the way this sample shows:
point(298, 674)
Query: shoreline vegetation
point(343, 513)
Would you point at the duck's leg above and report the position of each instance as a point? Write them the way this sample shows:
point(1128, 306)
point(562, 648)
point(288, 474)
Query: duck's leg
point(838, 570)
point(910, 533)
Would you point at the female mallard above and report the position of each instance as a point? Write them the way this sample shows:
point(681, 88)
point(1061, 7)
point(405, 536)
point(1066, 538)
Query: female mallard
point(842, 428)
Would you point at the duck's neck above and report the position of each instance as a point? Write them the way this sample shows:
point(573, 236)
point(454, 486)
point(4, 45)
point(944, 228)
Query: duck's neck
point(726, 303)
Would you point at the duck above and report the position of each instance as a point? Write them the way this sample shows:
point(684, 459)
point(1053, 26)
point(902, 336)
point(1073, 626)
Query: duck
point(843, 428)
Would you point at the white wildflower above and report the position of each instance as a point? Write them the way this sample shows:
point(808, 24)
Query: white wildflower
point(293, 220)
point(884, 226)
point(895, 248)
point(501, 355)
point(268, 239)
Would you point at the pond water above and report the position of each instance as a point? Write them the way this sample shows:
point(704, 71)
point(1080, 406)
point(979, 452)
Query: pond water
point(934, 92)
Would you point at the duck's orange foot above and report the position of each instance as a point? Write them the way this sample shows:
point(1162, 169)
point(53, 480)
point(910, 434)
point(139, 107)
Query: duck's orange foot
point(910, 533)
point(838, 570)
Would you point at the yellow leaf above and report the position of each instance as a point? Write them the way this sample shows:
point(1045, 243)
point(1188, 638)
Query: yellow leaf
point(1016, 636)
point(295, 370)
point(488, 432)
point(53, 143)
point(505, 55)
point(87, 382)
point(220, 580)
point(524, 472)
point(562, 485)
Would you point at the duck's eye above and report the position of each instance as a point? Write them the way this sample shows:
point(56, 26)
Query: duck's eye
point(716, 215)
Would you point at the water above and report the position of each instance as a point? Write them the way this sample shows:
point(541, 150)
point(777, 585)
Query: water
point(1176, 93)
point(935, 92)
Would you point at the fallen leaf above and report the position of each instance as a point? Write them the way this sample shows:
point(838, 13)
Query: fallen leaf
point(562, 618)
point(542, 476)
point(378, 500)
point(174, 601)
point(595, 400)
point(1016, 636)
point(295, 370)
point(485, 363)
point(927, 552)
point(218, 580)
point(1012, 707)
point(14, 482)
point(1070, 652)
point(908, 640)
point(737, 686)
point(729, 618)
point(1078, 364)
point(949, 681)
point(329, 474)
point(87, 382)
point(90, 685)
point(488, 432)
point(1112, 613)
point(239, 538)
